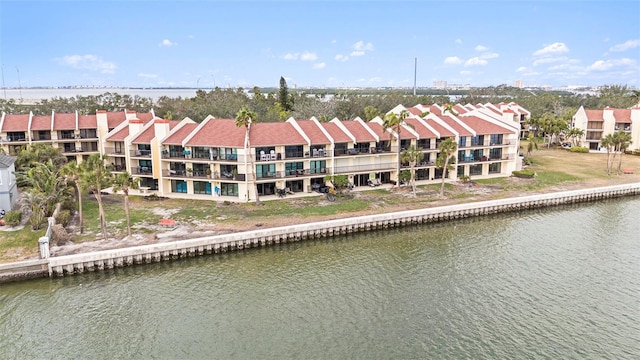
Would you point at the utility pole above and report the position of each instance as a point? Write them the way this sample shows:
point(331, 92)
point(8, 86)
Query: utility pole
point(415, 73)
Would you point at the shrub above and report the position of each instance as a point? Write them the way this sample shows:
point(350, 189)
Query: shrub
point(13, 218)
point(69, 204)
point(526, 174)
point(63, 218)
point(579, 149)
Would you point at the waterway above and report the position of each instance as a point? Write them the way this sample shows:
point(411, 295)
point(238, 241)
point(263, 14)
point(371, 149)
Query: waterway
point(560, 283)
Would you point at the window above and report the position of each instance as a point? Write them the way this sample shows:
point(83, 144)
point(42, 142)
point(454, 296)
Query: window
point(462, 142)
point(424, 143)
point(341, 148)
point(495, 168)
point(265, 171)
point(202, 187)
point(477, 140)
point(496, 139)
point(495, 154)
point(475, 169)
point(178, 186)
point(318, 167)
point(227, 189)
point(293, 168)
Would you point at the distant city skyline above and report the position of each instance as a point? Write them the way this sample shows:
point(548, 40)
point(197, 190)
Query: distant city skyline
point(362, 44)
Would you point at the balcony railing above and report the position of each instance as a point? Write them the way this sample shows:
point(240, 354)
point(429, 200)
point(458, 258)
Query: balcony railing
point(140, 153)
point(113, 151)
point(363, 168)
point(142, 170)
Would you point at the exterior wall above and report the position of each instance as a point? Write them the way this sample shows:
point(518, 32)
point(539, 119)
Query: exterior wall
point(8, 188)
point(581, 121)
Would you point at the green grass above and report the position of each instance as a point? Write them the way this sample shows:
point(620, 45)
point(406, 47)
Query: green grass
point(24, 241)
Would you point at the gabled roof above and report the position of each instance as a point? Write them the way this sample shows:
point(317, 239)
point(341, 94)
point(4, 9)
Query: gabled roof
point(213, 132)
point(444, 132)
point(361, 134)
point(145, 117)
point(271, 134)
point(181, 134)
point(87, 122)
point(595, 115)
point(461, 130)
point(483, 127)
point(65, 121)
point(115, 118)
point(16, 122)
point(120, 135)
point(41, 123)
point(422, 130)
point(336, 133)
point(378, 130)
point(313, 132)
point(622, 115)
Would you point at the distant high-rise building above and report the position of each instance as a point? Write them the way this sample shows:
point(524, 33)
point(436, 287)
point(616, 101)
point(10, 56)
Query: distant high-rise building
point(518, 84)
point(440, 84)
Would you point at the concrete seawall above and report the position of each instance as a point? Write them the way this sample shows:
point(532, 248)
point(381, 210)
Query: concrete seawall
point(100, 260)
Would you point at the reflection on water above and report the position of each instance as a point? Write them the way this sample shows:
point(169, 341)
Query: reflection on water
point(560, 283)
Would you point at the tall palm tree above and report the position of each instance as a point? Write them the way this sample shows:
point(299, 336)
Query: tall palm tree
point(413, 156)
point(446, 157)
point(394, 122)
point(575, 134)
point(609, 142)
point(449, 108)
point(71, 175)
point(246, 117)
point(532, 145)
point(95, 177)
point(123, 181)
point(622, 140)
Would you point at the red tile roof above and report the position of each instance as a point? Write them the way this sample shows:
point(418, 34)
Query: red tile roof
point(443, 131)
point(16, 122)
point(120, 135)
point(215, 132)
point(145, 117)
point(415, 111)
point(66, 121)
point(422, 130)
point(178, 137)
point(622, 115)
point(313, 132)
point(41, 123)
point(483, 127)
point(146, 136)
point(336, 133)
point(461, 130)
point(114, 119)
point(595, 115)
point(278, 133)
point(378, 130)
point(87, 122)
point(356, 128)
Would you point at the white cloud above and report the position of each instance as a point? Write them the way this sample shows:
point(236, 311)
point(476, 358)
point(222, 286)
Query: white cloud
point(341, 57)
point(319, 65)
point(168, 43)
point(521, 69)
point(549, 60)
point(629, 44)
point(305, 56)
point(453, 60)
point(361, 46)
point(602, 65)
point(308, 56)
point(489, 56)
point(481, 48)
point(475, 61)
point(555, 48)
point(466, 72)
point(458, 41)
point(88, 62)
point(148, 76)
point(356, 53)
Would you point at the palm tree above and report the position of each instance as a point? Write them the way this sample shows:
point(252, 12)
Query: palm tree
point(449, 108)
point(71, 175)
point(413, 156)
point(575, 134)
point(245, 117)
point(622, 140)
point(44, 179)
point(394, 122)
point(32, 202)
point(445, 158)
point(609, 143)
point(123, 181)
point(95, 177)
point(533, 144)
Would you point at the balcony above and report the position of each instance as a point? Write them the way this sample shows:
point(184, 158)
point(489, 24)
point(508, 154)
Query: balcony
point(140, 153)
point(364, 168)
point(111, 151)
point(142, 170)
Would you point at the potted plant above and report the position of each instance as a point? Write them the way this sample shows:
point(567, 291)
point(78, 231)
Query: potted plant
point(208, 172)
point(235, 173)
point(189, 171)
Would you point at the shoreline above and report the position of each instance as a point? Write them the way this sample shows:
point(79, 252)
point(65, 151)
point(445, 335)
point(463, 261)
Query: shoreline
point(143, 254)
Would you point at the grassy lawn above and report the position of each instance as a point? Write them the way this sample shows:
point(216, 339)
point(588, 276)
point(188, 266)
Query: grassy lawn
point(556, 169)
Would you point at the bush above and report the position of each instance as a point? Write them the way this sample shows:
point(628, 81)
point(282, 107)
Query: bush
point(526, 174)
point(579, 149)
point(69, 204)
point(63, 218)
point(13, 218)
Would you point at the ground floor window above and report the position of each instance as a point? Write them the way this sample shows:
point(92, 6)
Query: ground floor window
point(152, 184)
point(495, 168)
point(179, 186)
point(202, 187)
point(267, 188)
point(295, 186)
point(475, 169)
point(228, 189)
point(422, 174)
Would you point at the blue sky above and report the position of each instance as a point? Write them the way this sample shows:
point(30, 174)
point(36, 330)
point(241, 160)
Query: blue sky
point(349, 43)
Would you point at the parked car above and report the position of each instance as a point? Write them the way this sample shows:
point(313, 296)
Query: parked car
point(566, 145)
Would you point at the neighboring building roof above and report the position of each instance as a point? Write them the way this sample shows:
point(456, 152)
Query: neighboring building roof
point(6, 160)
point(444, 132)
point(115, 118)
point(336, 133)
point(422, 130)
point(42, 122)
point(120, 135)
point(215, 132)
point(178, 137)
point(361, 134)
point(64, 121)
point(595, 115)
point(147, 135)
point(461, 130)
point(622, 115)
point(271, 134)
point(313, 132)
point(16, 122)
point(483, 127)
point(145, 117)
point(87, 122)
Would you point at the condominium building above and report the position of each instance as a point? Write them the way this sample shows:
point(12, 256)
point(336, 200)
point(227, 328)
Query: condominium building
point(213, 159)
point(597, 124)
